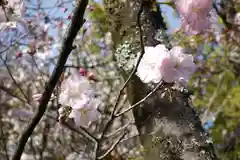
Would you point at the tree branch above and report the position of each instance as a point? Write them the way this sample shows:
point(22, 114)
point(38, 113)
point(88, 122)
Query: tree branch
point(141, 101)
point(76, 23)
point(112, 147)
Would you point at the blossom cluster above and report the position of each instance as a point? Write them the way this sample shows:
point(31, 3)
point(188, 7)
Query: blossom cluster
point(78, 93)
point(158, 63)
point(194, 15)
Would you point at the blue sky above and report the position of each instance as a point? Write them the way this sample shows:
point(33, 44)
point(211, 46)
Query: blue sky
point(172, 20)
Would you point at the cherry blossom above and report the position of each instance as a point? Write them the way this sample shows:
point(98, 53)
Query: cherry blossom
point(160, 64)
point(194, 15)
point(82, 71)
point(177, 66)
point(18, 54)
point(85, 111)
point(148, 69)
point(72, 88)
point(78, 93)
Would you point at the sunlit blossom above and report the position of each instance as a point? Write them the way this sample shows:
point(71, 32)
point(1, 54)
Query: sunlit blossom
point(160, 64)
point(85, 111)
point(148, 69)
point(78, 93)
point(177, 66)
point(72, 88)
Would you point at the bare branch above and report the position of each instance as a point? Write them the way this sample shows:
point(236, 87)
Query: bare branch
point(141, 101)
point(70, 125)
point(112, 147)
point(76, 23)
point(119, 129)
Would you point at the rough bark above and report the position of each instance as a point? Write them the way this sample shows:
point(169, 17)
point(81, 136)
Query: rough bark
point(168, 126)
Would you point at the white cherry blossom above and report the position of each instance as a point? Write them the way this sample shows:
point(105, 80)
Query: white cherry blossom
point(85, 111)
point(72, 88)
point(148, 69)
point(77, 92)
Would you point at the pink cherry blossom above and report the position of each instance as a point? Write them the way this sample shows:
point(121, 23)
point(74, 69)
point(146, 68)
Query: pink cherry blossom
point(82, 71)
point(177, 66)
point(194, 14)
point(18, 54)
point(195, 26)
point(160, 64)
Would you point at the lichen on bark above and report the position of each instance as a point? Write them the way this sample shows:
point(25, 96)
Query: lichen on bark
point(168, 126)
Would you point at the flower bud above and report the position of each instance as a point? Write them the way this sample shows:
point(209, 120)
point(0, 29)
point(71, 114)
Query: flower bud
point(83, 71)
point(18, 54)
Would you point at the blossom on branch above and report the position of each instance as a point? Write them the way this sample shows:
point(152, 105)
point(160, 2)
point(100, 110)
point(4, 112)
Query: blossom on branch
point(177, 66)
point(77, 92)
point(72, 88)
point(85, 111)
point(170, 66)
point(150, 64)
point(194, 15)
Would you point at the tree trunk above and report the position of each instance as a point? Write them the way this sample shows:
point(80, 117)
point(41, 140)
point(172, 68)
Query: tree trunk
point(168, 126)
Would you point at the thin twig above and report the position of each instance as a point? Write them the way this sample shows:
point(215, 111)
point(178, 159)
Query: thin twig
point(85, 133)
point(79, 130)
point(141, 101)
point(14, 43)
point(76, 23)
point(222, 16)
point(112, 147)
point(119, 129)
